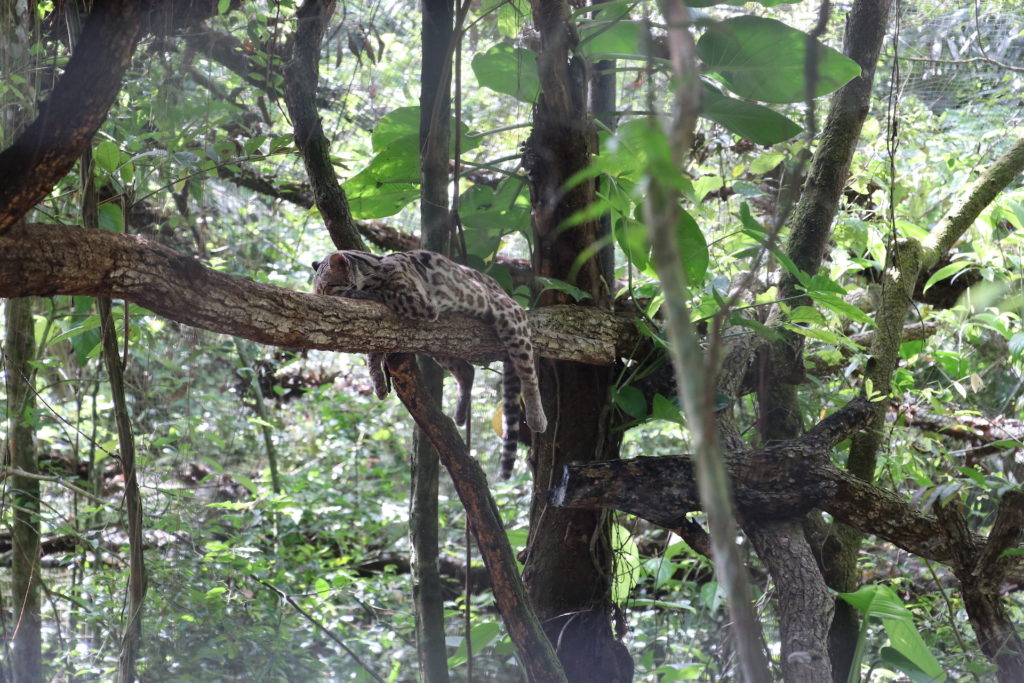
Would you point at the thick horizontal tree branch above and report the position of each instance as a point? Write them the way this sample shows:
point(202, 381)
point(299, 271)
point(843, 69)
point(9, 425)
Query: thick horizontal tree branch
point(784, 479)
point(44, 260)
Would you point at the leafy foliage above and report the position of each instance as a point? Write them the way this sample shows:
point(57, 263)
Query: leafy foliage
point(199, 156)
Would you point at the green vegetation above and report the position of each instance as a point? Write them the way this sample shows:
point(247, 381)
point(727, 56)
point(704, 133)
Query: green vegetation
point(275, 487)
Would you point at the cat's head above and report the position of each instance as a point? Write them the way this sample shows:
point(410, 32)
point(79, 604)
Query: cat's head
point(336, 275)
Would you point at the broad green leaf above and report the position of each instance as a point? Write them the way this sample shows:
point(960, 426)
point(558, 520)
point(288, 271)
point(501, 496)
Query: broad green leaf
point(760, 329)
point(623, 39)
point(766, 162)
point(705, 184)
point(892, 657)
point(111, 217)
point(369, 198)
point(388, 183)
point(875, 600)
point(632, 238)
point(402, 126)
point(693, 249)
point(766, 3)
point(946, 271)
point(488, 214)
point(754, 122)
point(107, 156)
point(631, 400)
point(512, 14)
point(763, 59)
point(880, 601)
point(822, 336)
point(807, 314)
point(482, 634)
point(509, 70)
point(664, 409)
point(1017, 345)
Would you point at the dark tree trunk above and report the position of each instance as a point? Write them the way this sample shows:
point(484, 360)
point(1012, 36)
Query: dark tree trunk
point(435, 110)
point(19, 352)
point(569, 560)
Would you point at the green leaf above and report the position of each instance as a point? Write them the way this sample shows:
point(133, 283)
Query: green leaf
point(763, 59)
point(946, 271)
point(754, 122)
point(627, 564)
point(512, 14)
point(1016, 345)
point(822, 336)
point(509, 70)
point(834, 303)
point(876, 600)
point(572, 290)
point(623, 39)
point(482, 634)
point(693, 249)
point(402, 126)
point(705, 184)
point(893, 658)
point(632, 238)
point(488, 214)
point(766, 162)
point(388, 183)
point(107, 155)
point(664, 409)
point(880, 601)
point(111, 217)
point(631, 400)
point(973, 474)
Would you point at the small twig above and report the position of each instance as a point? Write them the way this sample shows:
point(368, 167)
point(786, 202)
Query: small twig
point(323, 629)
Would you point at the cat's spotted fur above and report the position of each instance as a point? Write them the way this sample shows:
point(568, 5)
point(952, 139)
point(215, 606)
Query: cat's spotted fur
point(421, 285)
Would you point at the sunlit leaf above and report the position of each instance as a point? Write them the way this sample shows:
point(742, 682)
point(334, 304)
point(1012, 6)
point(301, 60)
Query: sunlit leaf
point(754, 122)
point(509, 70)
point(763, 59)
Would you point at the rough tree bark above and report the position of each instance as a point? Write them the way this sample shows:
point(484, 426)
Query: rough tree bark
point(43, 260)
point(568, 561)
point(19, 352)
point(300, 94)
point(811, 230)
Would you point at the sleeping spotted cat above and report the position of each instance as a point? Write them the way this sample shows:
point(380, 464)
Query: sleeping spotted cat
point(421, 285)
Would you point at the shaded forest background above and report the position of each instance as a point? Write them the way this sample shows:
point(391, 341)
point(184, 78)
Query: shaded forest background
point(271, 495)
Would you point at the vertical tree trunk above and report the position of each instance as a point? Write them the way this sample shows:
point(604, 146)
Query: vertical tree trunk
point(435, 110)
point(19, 352)
point(16, 31)
point(569, 561)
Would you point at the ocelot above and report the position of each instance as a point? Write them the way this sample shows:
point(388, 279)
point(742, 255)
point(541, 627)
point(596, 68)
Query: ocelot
point(421, 285)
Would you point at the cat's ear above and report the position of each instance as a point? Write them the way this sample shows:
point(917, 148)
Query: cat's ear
point(337, 260)
point(316, 265)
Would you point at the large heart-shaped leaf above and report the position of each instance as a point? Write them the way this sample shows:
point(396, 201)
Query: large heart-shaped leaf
point(510, 70)
point(752, 121)
point(763, 59)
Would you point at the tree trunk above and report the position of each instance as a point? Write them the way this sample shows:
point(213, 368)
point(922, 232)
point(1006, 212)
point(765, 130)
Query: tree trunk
point(19, 352)
point(435, 110)
point(569, 559)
